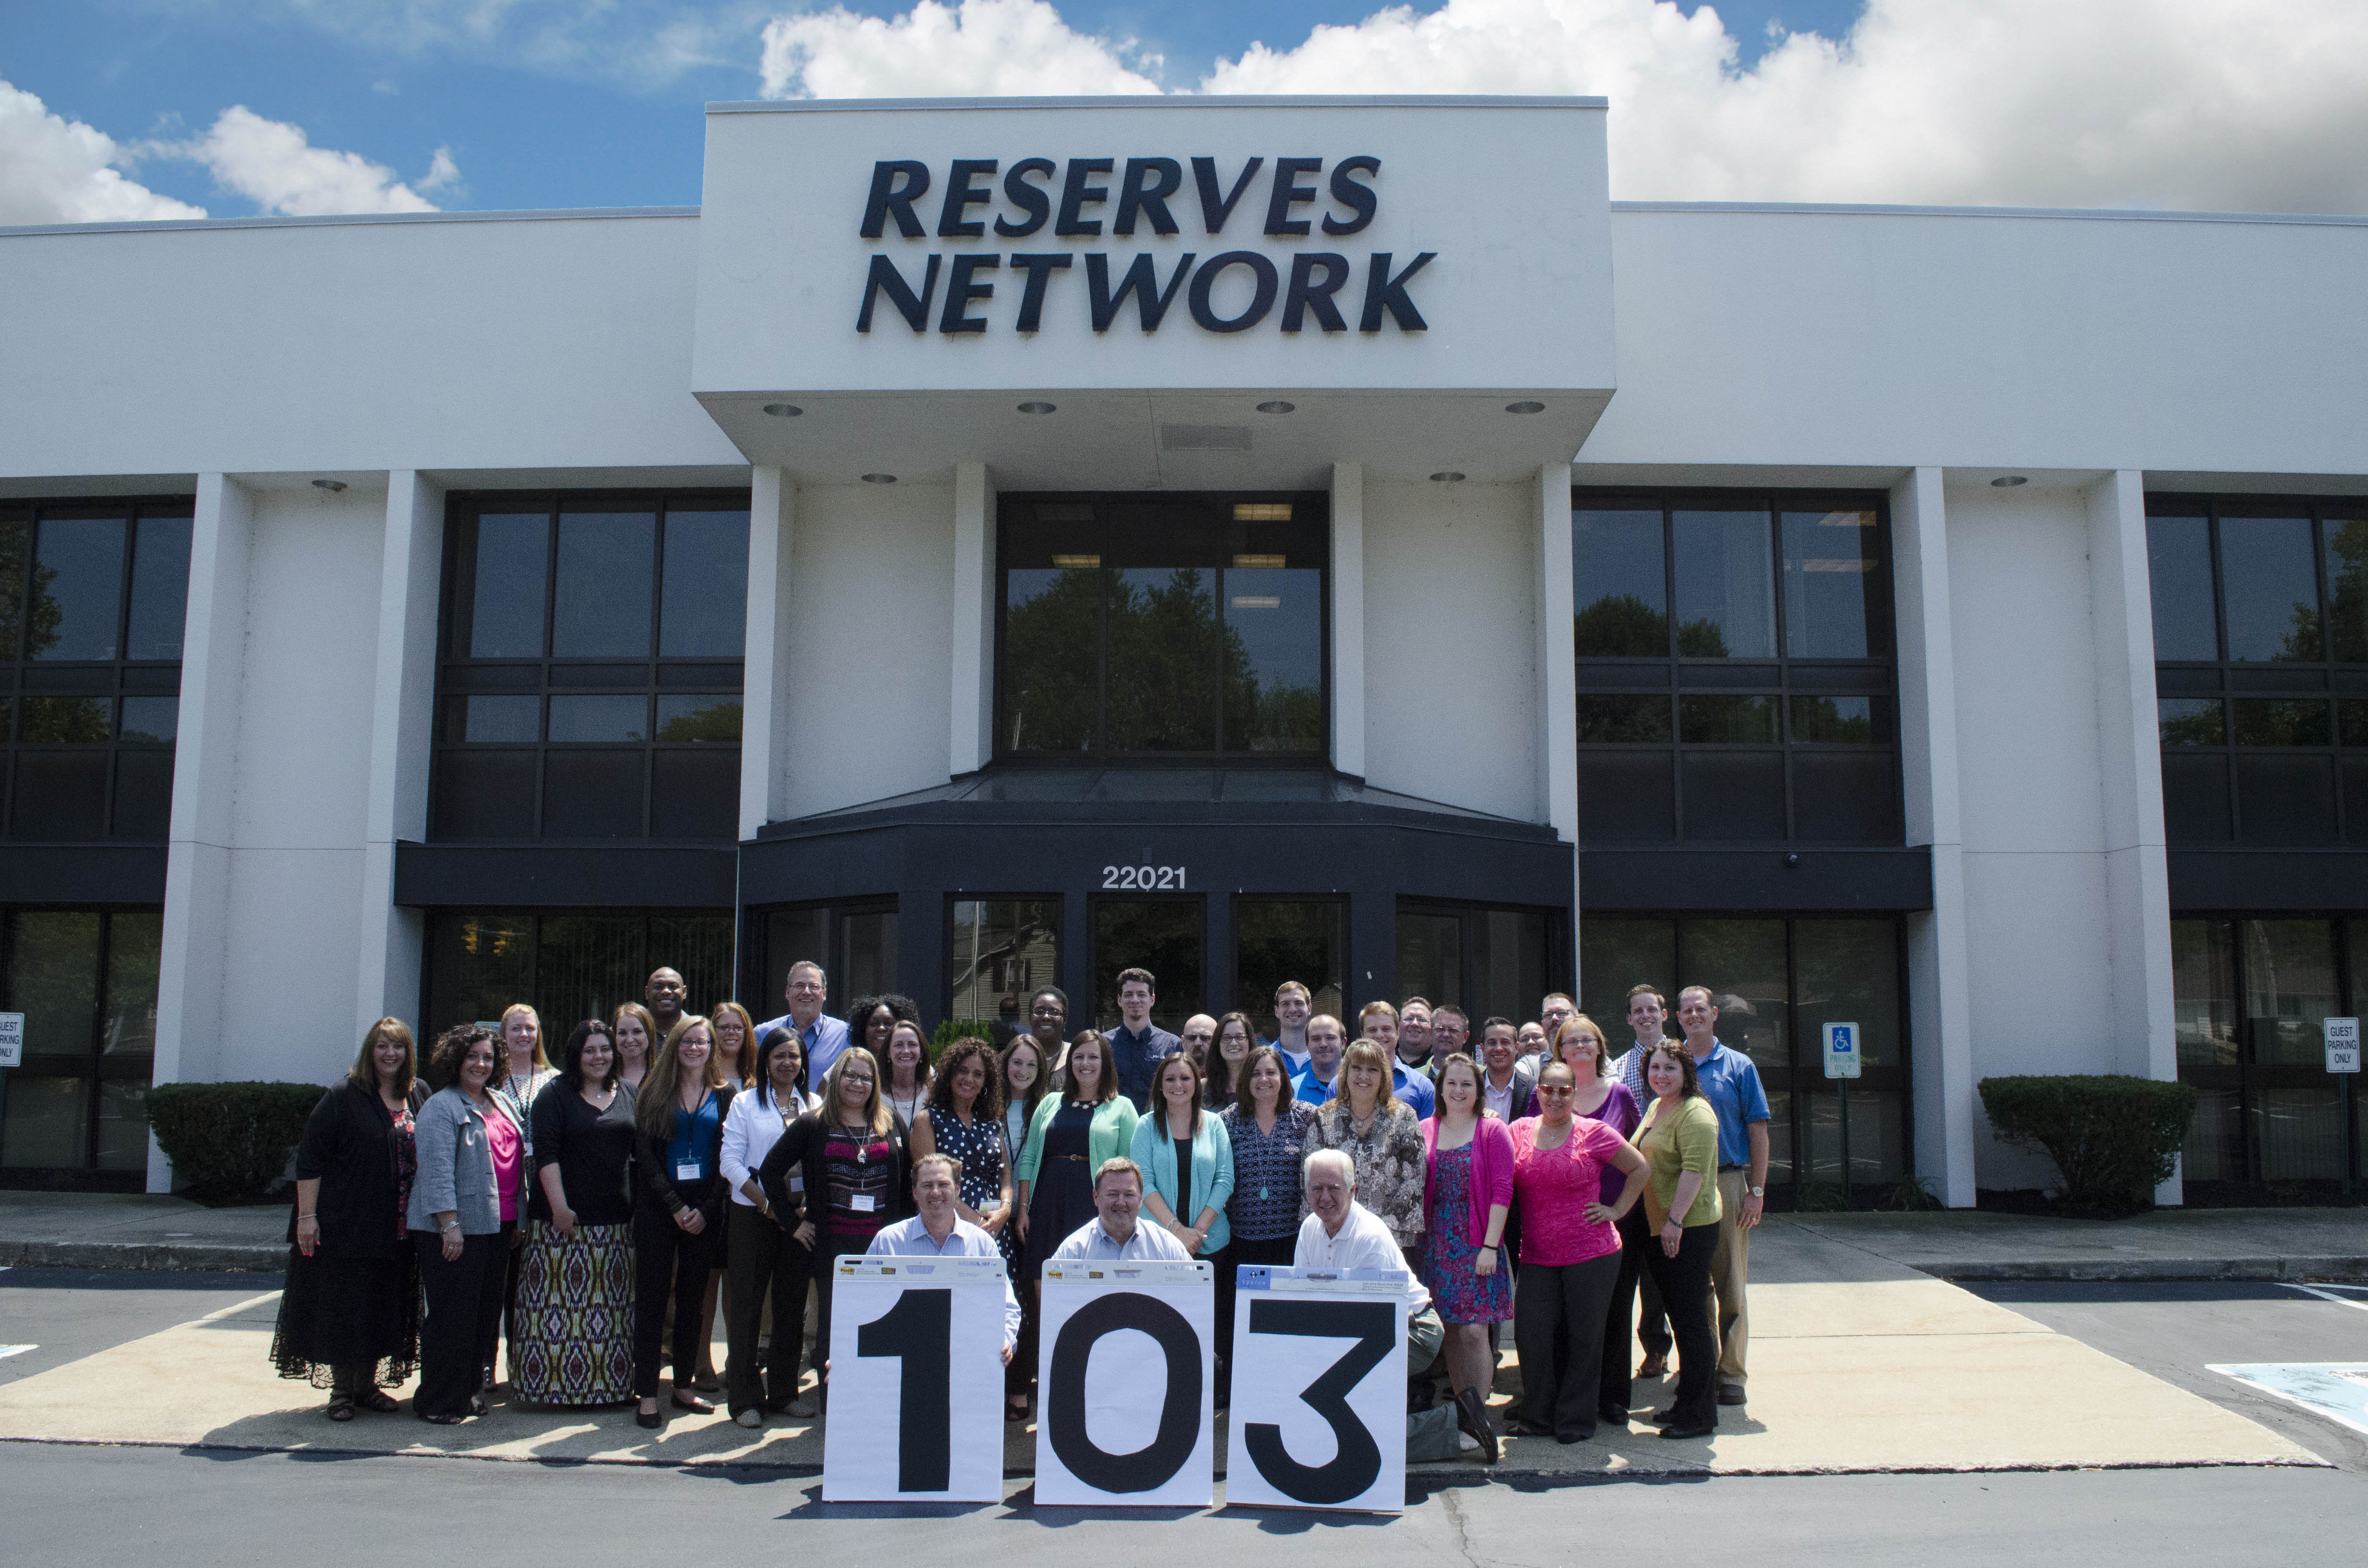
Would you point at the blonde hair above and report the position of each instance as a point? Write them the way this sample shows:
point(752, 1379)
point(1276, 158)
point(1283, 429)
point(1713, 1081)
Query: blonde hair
point(1371, 1054)
point(876, 1112)
point(1581, 1021)
point(501, 1036)
point(654, 1111)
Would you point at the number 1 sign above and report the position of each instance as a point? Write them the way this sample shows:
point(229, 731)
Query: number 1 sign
point(922, 1338)
point(1319, 1392)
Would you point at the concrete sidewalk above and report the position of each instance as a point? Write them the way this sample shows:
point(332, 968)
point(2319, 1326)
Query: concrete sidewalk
point(87, 1229)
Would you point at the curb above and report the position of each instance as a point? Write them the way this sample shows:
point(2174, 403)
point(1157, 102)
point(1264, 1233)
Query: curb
point(191, 1256)
point(2336, 1268)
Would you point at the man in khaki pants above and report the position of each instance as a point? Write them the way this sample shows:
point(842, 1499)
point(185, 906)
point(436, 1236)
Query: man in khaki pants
point(1731, 1084)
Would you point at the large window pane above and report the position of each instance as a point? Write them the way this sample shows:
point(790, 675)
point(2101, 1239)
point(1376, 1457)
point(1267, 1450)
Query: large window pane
point(16, 540)
point(486, 962)
point(2179, 559)
point(1052, 630)
point(2271, 583)
point(122, 1127)
point(708, 720)
point(1274, 659)
point(1627, 796)
point(590, 794)
point(2289, 988)
point(1733, 795)
point(2191, 722)
point(53, 979)
point(1003, 949)
point(1163, 656)
point(704, 611)
point(601, 605)
point(2347, 587)
point(44, 1122)
point(1277, 939)
point(77, 600)
point(2214, 1150)
point(2299, 1131)
point(1726, 596)
point(699, 949)
point(1834, 585)
point(1848, 971)
point(865, 954)
point(2196, 799)
point(1431, 961)
point(2203, 992)
point(1742, 962)
point(1621, 594)
point(134, 949)
point(1161, 935)
point(695, 794)
point(61, 796)
point(160, 588)
point(511, 569)
point(2283, 722)
point(586, 965)
point(1727, 720)
point(2286, 800)
point(611, 718)
point(1615, 955)
point(1508, 961)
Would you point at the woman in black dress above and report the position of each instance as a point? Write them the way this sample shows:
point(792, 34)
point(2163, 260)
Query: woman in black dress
point(350, 1315)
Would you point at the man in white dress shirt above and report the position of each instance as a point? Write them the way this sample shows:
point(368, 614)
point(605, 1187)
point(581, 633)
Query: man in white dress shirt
point(940, 1231)
point(1112, 1236)
point(1342, 1233)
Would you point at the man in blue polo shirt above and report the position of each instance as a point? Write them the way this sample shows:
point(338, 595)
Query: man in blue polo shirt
point(1731, 1084)
point(823, 1037)
point(1138, 1046)
point(1379, 1022)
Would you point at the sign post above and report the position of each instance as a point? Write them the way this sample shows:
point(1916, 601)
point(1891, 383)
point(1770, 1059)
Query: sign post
point(11, 1040)
point(1126, 1376)
point(920, 1337)
point(1318, 1418)
point(1843, 1059)
point(2343, 1057)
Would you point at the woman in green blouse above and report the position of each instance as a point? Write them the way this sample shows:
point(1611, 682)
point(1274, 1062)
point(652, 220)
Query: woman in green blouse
point(1679, 1139)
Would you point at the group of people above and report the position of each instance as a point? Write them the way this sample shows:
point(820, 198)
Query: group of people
point(595, 1212)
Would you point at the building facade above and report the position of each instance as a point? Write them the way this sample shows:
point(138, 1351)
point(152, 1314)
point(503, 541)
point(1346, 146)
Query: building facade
point(988, 544)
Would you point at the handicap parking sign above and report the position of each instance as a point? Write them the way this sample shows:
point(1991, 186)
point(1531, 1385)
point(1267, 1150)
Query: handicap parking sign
point(1841, 1051)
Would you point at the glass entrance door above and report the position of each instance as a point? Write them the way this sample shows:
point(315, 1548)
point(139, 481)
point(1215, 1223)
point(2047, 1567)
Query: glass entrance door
point(1275, 939)
point(1165, 936)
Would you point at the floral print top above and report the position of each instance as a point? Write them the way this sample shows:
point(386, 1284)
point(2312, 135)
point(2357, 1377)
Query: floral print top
point(1390, 1164)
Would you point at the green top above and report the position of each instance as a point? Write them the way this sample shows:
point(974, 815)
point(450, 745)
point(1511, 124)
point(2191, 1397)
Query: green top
point(1111, 1135)
point(1690, 1142)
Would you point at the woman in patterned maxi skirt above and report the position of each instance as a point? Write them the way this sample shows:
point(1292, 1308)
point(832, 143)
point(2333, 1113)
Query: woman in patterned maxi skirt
point(574, 1343)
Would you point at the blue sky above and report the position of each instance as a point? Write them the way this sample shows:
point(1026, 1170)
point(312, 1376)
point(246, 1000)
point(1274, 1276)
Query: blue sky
point(533, 119)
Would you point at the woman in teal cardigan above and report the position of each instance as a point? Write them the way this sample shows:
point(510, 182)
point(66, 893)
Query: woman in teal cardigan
point(1068, 1138)
point(1177, 1118)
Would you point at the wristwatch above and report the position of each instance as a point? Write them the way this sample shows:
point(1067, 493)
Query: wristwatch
point(1757, 1191)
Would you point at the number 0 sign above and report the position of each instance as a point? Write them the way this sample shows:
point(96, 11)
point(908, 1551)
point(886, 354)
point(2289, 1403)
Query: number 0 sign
point(1125, 1377)
point(922, 1338)
point(1319, 1392)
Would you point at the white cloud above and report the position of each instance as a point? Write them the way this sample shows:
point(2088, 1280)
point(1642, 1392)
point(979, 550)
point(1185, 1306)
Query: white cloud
point(442, 172)
point(273, 164)
point(2198, 103)
point(54, 170)
point(977, 49)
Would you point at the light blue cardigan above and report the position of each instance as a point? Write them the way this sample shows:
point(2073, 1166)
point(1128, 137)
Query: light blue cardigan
point(1213, 1170)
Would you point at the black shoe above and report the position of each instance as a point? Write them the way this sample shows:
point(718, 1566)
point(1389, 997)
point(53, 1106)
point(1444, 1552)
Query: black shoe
point(1608, 1416)
point(1525, 1428)
point(1472, 1414)
point(652, 1419)
point(1703, 1427)
point(476, 1404)
point(1730, 1393)
point(342, 1408)
point(1568, 1438)
point(444, 1420)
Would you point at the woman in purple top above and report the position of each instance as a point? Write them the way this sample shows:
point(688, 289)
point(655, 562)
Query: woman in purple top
point(1600, 1096)
point(1467, 1191)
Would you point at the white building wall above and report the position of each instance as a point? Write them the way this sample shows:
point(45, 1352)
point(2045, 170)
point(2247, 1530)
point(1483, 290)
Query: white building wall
point(1451, 643)
point(866, 703)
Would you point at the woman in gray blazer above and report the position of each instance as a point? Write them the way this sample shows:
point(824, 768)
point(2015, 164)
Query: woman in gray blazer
point(466, 1208)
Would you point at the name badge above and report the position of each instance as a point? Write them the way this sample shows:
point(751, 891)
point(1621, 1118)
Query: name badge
point(864, 1203)
point(686, 1172)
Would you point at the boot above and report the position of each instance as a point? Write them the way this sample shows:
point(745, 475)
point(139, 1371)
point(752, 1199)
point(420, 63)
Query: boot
point(1472, 1414)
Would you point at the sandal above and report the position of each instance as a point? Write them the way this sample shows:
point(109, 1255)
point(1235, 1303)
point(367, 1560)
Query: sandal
point(378, 1400)
point(341, 1408)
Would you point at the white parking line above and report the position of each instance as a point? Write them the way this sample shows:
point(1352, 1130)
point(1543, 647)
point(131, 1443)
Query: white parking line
point(8, 1350)
point(2352, 1295)
point(2337, 1390)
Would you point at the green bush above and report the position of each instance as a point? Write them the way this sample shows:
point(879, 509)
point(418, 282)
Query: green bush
point(2112, 1138)
point(954, 1030)
point(230, 1142)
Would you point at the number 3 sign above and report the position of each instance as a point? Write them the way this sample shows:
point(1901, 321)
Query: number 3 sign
point(1319, 1392)
point(922, 1338)
point(1125, 1377)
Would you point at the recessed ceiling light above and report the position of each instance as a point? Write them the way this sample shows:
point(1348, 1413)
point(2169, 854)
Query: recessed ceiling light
point(1277, 406)
point(331, 485)
point(1037, 407)
point(878, 479)
point(1525, 407)
point(2009, 480)
point(1448, 476)
point(783, 410)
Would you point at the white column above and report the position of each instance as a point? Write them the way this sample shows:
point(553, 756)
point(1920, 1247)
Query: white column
point(1557, 677)
point(197, 866)
point(971, 740)
point(402, 732)
point(1939, 1007)
point(1349, 618)
point(764, 746)
point(2137, 866)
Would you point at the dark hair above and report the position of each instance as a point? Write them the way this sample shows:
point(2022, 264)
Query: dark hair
point(1056, 993)
point(1479, 1082)
point(571, 1057)
point(1214, 1094)
point(365, 1071)
point(1282, 1064)
point(1446, 1007)
point(924, 1073)
point(1106, 1087)
point(1495, 1022)
point(1038, 1087)
point(989, 1104)
point(1159, 1096)
point(452, 1049)
point(900, 1010)
point(777, 1037)
point(1142, 974)
point(1691, 1089)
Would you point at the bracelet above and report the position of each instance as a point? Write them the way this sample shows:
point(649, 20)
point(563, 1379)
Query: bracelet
point(301, 1218)
point(448, 1230)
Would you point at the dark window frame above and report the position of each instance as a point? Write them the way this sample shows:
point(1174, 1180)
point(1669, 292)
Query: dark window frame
point(1560, 974)
point(1779, 675)
point(94, 1065)
point(945, 989)
point(459, 676)
point(2225, 680)
point(554, 1032)
point(110, 681)
point(767, 971)
point(1098, 754)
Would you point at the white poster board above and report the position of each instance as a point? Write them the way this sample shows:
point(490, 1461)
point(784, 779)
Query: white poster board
point(915, 1381)
point(2342, 1043)
point(1318, 1417)
point(1843, 1056)
point(1125, 1385)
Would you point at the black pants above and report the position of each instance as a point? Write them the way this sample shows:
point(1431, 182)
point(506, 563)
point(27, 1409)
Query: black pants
point(1021, 1376)
point(1274, 1252)
point(668, 1262)
point(1685, 1288)
point(1619, 1338)
point(1563, 1303)
point(464, 1318)
point(1652, 1316)
point(762, 1256)
point(828, 1250)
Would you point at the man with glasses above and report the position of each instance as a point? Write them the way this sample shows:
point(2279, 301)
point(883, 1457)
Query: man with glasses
point(1552, 1013)
point(1451, 1031)
point(1199, 1033)
point(824, 1037)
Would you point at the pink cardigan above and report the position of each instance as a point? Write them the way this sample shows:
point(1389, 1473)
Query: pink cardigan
point(1492, 1169)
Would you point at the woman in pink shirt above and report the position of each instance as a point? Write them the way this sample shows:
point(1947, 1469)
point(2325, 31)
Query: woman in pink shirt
point(1570, 1256)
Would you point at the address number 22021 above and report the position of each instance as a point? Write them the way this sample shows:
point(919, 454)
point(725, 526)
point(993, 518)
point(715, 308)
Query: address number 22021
point(1143, 879)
